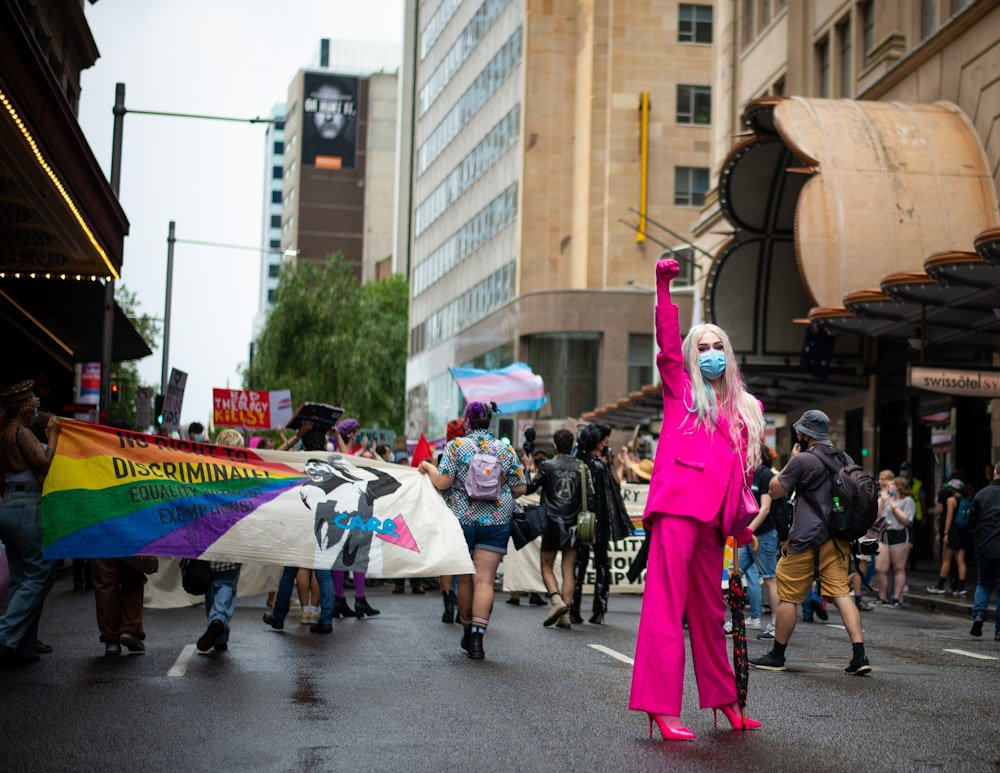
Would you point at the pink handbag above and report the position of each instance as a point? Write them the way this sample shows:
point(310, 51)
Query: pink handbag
point(747, 507)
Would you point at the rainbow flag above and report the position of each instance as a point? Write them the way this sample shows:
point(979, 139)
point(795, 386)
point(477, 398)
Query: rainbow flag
point(112, 492)
point(514, 388)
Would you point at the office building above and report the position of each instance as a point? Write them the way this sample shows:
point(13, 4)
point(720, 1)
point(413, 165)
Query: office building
point(546, 137)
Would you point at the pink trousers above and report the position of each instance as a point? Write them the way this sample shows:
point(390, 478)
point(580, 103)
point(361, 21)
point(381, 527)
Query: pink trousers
point(684, 574)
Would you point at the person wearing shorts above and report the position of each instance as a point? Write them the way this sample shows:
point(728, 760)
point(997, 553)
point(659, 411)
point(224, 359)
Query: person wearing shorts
point(485, 522)
point(811, 550)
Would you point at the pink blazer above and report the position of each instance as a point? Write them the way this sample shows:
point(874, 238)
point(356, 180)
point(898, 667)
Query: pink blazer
point(696, 473)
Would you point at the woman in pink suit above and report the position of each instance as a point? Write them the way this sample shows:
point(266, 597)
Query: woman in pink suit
point(707, 452)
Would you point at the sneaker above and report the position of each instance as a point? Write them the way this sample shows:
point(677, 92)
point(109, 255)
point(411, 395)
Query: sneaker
point(857, 667)
point(767, 633)
point(959, 592)
point(895, 604)
point(977, 626)
point(819, 609)
point(769, 662)
point(728, 627)
point(272, 621)
point(936, 589)
point(207, 639)
point(564, 621)
point(861, 604)
point(112, 649)
point(755, 623)
point(132, 642)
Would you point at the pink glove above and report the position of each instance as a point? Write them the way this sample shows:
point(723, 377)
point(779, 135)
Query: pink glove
point(745, 537)
point(666, 270)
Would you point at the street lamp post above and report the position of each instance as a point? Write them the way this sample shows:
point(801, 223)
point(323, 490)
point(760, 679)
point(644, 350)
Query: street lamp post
point(164, 369)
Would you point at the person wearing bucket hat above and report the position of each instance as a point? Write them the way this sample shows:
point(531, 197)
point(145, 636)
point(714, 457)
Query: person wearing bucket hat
point(25, 462)
point(708, 449)
point(954, 538)
point(643, 470)
point(811, 544)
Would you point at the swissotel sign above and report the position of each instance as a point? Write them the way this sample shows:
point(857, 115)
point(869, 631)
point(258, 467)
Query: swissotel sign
point(974, 383)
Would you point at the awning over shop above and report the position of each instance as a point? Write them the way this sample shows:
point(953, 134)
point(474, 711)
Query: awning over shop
point(836, 205)
point(64, 319)
point(58, 214)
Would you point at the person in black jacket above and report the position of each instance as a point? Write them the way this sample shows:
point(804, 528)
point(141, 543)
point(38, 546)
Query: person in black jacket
point(984, 525)
point(560, 479)
point(613, 522)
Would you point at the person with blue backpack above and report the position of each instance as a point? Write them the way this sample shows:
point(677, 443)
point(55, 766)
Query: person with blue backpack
point(479, 477)
point(955, 537)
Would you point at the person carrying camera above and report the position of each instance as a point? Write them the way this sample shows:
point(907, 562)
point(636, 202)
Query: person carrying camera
point(811, 549)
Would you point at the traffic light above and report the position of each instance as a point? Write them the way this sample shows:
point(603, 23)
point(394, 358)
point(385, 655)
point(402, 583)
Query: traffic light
point(158, 410)
point(506, 429)
point(116, 392)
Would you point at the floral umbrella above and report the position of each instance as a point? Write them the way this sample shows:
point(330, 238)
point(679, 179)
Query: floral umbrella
point(736, 596)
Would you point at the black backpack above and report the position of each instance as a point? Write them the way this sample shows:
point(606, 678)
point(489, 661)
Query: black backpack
point(855, 494)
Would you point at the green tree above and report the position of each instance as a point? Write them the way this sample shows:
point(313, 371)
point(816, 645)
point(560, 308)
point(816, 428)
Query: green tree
point(330, 340)
point(127, 372)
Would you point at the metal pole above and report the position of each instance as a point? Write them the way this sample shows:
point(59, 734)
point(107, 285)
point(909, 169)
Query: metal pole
point(109, 284)
point(165, 368)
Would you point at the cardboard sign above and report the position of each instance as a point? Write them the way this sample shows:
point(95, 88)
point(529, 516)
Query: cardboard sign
point(173, 398)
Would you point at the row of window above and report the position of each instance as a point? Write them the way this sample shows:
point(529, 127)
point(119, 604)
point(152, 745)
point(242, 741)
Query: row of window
point(488, 81)
point(486, 224)
point(436, 24)
point(472, 167)
point(470, 307)
point(474, 31)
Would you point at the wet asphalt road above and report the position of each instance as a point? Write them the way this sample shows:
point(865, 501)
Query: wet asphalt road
point(395, 693)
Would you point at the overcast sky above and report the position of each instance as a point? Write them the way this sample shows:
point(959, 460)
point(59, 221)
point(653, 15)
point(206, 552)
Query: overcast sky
point(216, 57)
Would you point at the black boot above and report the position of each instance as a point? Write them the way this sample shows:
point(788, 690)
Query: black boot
point(476, 646)
point(417, 586)
point(362, 607)
point(466, 636)
point(342, 609)
point(449, 606)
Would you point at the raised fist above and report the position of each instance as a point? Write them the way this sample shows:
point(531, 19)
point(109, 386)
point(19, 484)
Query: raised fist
point(667, 269)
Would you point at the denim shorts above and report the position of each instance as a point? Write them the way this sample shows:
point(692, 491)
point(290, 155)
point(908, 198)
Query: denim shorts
point(766, 557)
point(493, 538)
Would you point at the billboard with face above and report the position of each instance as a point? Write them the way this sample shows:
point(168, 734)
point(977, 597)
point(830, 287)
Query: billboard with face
point(329, 121)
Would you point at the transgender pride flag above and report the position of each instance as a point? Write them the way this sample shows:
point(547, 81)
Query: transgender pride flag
point(514, 388)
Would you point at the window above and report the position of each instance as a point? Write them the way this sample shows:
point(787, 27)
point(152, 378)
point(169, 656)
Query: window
point(685, 258)
point(275, 244)
point(694, 104)
point(279, 148)
point(694, 23)
point(747, 22)
point(272, 296)
point(276, 173)
point(568, 365)
point(928, 23)
point(846, 85)
point(778, 89)
point(640, 361)
point(275, 197)
point(274, 270)
point(275, 221)
point(823, 67)
point(690, 186)
point(765, 13)
point(867, 10)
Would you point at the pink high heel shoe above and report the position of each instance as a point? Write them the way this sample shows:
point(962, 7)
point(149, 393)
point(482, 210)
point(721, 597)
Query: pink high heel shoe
point(669, 733)
point(737, 722)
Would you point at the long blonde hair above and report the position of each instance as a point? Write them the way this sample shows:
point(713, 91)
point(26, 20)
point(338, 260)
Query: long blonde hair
point(740, 409)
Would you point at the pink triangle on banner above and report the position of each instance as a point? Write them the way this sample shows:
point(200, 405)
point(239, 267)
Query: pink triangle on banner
point(403, 537)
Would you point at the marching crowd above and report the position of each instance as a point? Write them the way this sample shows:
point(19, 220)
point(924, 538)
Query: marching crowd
point(712, 480)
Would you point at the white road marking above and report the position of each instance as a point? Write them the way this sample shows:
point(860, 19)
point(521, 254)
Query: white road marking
point(180, 666)
point(972, 654)
point(612, 653)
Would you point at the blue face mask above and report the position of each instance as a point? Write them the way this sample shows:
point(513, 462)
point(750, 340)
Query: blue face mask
point(199, 438)
point(712, 364)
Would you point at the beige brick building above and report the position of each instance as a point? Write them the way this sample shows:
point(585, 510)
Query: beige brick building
point(525, 240)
